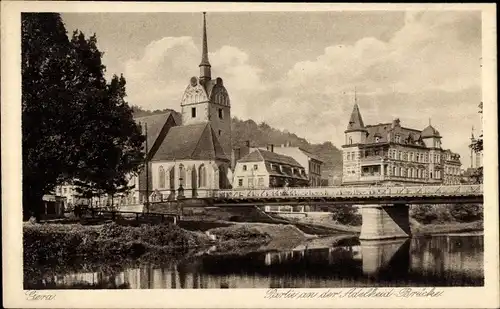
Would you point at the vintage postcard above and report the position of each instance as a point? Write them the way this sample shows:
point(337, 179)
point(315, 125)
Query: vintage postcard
point(230, 155)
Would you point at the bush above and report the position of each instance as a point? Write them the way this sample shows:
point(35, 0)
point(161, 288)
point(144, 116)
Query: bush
point(346, 214)
point(58, 242)
point(432, 214)
point(467, 213)
point(423, 213)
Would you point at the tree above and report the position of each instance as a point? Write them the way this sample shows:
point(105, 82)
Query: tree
point(477, 147)
point(74, 124)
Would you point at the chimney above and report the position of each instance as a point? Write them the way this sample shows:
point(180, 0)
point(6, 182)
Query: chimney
point(270, 147)
point(395, 123)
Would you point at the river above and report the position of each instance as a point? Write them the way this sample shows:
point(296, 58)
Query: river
point(452, 260)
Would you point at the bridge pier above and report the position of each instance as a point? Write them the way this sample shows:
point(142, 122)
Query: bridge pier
point(385, 257)
point(385, 222)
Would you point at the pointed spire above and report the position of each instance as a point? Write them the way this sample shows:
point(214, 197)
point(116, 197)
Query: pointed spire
point(356, 122)
point(472, 133)
point(205, 73)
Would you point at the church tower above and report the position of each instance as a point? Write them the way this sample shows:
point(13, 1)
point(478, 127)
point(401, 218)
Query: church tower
point(206, 100)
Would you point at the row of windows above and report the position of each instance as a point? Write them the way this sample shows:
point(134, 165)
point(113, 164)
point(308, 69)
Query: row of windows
point(64, 190)
point(452, 170)
point(352, 155)
point(414, 173)
point(315, 168)
point(251, 182)
point(220, 112)
point(201, 181)
point(255, 167)
point(410, 156)
point(407, 172)
point(282, 168)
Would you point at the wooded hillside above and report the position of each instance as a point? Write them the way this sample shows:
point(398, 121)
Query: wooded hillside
point(263, 134)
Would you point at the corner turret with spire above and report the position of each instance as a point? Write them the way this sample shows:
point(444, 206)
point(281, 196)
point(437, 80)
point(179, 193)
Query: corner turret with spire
point(356, 130)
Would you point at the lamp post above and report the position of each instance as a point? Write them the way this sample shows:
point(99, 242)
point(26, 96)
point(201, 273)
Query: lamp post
point(180, 191)
point(147, 168)
point(180, 197)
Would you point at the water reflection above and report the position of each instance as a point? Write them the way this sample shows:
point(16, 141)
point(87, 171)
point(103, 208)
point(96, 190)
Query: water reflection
point(435, 261)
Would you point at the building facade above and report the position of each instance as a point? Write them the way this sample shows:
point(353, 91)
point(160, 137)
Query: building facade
point(309, 161)
point(267, 169)
point(389, 154)
point(452, 168)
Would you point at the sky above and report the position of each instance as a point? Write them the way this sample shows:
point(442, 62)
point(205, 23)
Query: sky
point(298, 71)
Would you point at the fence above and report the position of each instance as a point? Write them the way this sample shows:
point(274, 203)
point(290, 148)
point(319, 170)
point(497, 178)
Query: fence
point(343, 192)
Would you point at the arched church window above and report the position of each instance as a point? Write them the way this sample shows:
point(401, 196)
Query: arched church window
point(222, 177)
point(172, 178)
point(161, 177)
point(182, 175)
point(202, 176)
point(350, 140)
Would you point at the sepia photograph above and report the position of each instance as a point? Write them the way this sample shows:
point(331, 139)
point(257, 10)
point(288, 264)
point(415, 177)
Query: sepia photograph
point(271, 150)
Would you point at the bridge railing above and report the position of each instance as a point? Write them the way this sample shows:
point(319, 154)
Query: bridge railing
point(453, 190)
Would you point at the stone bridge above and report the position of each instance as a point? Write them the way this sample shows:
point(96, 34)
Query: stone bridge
point(384, 209)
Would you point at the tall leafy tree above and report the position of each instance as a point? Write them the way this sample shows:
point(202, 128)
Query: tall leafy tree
point(477, 147)
point(74, 124)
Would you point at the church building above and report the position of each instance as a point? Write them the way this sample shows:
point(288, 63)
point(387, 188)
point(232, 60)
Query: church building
point(195, 157)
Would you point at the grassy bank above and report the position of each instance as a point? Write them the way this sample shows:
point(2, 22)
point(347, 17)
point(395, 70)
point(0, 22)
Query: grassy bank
point(46, 242)
point(446, 228)
point(64, 242)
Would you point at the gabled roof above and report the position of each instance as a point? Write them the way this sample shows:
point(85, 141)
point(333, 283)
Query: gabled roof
point(155, 124)
point(311, 155)
point(191, 142)
point(260, 155)
point(381, 131)
point(293, 151)
point(355, 122)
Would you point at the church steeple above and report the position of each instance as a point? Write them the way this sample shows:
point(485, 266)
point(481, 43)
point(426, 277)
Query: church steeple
point(205, 71)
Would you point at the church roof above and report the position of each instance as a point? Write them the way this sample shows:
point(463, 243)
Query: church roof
point(268, 156)
point(355, 122)
point(430, 131)
point(190, 142)
point(155, 124)
point(209, 86)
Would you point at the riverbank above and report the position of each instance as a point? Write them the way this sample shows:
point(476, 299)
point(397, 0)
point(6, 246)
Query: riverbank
point(63, 242)
point(475, 227)
point(418, 229)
